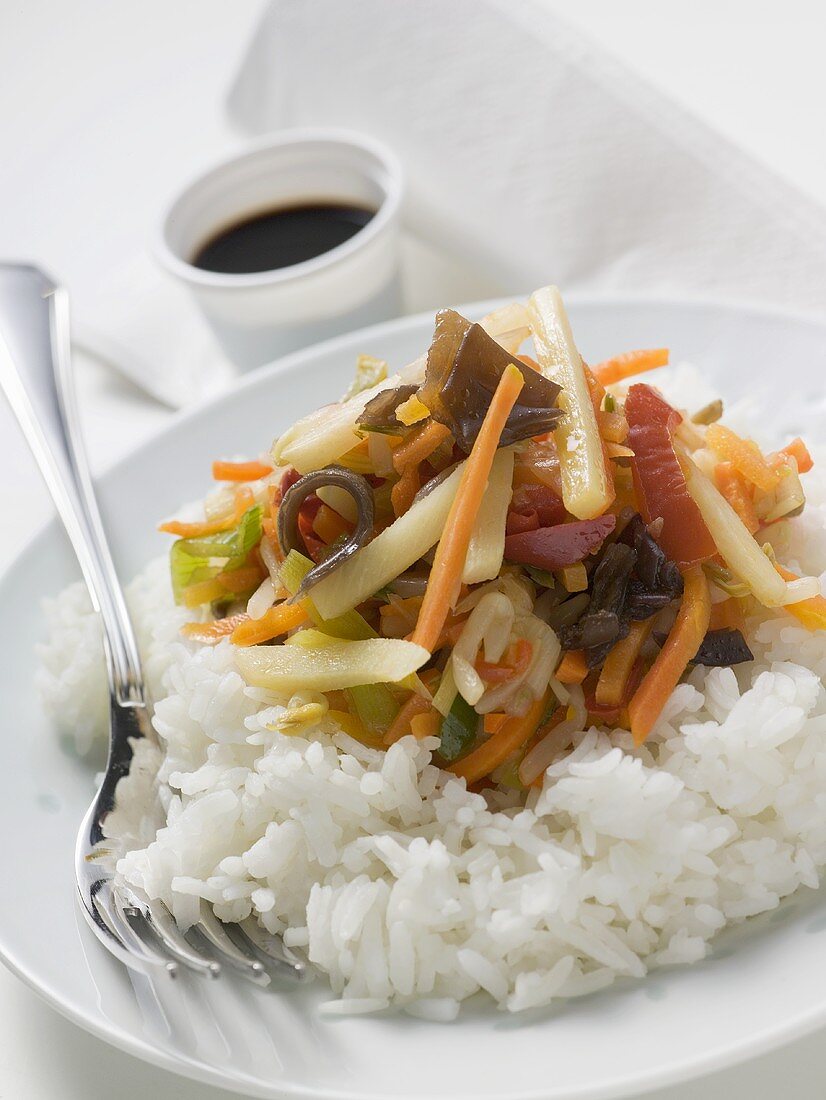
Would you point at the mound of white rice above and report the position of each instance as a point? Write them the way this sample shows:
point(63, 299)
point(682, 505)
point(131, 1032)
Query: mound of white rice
point(406, 889)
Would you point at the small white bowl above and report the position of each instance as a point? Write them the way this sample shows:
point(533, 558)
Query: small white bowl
point(262, 315)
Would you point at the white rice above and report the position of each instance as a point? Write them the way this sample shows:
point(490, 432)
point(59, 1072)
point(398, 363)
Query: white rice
point(407, 890)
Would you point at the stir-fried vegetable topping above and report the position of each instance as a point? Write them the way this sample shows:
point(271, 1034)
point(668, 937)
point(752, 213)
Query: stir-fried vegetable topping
point(490, 551)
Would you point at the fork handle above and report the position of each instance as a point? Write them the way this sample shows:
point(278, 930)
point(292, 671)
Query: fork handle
point(36, 376)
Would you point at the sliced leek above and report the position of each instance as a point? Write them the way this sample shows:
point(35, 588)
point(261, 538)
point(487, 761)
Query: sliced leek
point(486, 549)
point(326, 434)
point(509, 326)
point(737, 547)
point(330, 667)
point(586, 486)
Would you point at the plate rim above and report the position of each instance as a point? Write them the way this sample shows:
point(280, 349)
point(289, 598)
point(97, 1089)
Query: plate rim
point(768, 1039)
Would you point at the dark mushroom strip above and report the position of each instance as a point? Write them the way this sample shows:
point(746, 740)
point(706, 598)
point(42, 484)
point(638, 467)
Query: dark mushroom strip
point(722, 649)
point(568, 612)
point(289, 536)
point(464, 366)
point(642, 603)
point(605, 623)
point(656, 580)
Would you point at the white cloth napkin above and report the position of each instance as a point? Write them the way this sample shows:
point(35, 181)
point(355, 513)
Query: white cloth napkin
point(149, 329)
point(531, 151)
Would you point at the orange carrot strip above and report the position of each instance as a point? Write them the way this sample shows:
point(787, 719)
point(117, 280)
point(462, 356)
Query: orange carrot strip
point(329, 525)
point(450, 632)
point(446, 574)
point(629, 363)
point(278, 620)
point(680, 647)
point(194, 595)
point(798, 450)
point(514, 664)
point(210, 633)
point(400, 726)
point(613, 678)
point(493, 721)
point(811, 612)
point(511, 736)
point(407, 457)
point(419, 445)
point(494, 674)
point(744, 455)
point(735, 489)
point(240, 471)
point(727, 615)
point(405, 489)
point(240, 580)
point(426, 724)
point(572, 668)
point(243, 500)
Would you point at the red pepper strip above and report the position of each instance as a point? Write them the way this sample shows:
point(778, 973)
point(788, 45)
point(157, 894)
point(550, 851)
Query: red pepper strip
point(559, 546)
point(313, 544)
point(658, 480)
point(288, 479)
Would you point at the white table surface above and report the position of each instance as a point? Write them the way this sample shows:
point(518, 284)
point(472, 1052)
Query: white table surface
point(85, 157)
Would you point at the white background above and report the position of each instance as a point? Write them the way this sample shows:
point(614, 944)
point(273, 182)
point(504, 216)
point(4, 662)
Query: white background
point(106, 105)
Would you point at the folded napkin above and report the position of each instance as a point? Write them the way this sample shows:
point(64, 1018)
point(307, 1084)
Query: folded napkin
point(148, 328)
point(533, 153)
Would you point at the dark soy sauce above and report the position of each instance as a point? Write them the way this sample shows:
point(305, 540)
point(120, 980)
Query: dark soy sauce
point(280, 238)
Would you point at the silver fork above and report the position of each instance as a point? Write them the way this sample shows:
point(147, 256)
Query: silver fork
point(36, 376)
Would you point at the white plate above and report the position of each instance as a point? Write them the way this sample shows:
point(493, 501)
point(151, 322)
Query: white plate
point(764, 984)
